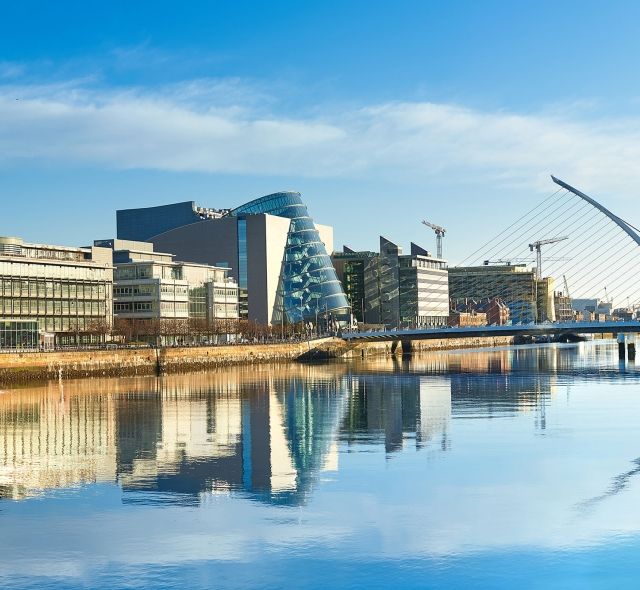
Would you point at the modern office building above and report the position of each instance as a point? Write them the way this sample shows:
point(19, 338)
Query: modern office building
point(399, 290)
point(53, 294)
point(350, 268)
point(529, 299)
point(150, 285)
point(274, 250)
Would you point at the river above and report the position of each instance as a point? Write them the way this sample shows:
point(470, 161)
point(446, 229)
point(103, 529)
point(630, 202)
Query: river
point(506, 468)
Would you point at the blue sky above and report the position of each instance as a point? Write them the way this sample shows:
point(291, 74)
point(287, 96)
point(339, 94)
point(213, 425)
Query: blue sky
point(380, 113)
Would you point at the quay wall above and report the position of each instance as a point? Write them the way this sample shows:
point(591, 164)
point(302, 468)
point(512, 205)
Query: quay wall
point(416, 346)
point(24, 367)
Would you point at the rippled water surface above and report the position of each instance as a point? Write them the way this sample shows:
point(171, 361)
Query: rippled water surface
point(511, 468)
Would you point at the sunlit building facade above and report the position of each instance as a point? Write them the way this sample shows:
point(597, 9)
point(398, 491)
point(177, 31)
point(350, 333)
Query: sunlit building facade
point(277, 254)
point(66, 291)
point(150, 285)
point(394, 289)
point(529, 299)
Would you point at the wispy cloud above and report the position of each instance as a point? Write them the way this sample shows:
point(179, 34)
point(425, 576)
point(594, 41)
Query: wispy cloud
point(10, 70)
point(227, 126)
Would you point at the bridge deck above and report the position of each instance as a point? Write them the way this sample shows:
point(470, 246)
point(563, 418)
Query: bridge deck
point(487, 331)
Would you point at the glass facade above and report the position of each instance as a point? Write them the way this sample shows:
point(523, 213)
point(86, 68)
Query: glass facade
point(19, 334)
point(142, 224)
point(309, 287)
point(71, 299)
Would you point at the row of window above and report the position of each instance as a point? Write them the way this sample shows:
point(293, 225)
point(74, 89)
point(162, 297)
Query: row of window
point(69, 324)
point(178, 290)
point(226, 292)
point(32, 307)
point(148, 271)
point(54, 271)
point(51, 289)
point(137, 306)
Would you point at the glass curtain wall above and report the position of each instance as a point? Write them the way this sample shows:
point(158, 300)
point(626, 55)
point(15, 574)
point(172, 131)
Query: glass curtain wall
point(310, 288)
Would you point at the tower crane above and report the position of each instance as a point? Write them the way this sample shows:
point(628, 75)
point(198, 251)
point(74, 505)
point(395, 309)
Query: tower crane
point(439, 231)
point(537, 246)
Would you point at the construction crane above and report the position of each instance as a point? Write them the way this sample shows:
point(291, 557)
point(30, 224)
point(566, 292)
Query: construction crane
point(537, 246)
point(566, 286)
point(440, 231)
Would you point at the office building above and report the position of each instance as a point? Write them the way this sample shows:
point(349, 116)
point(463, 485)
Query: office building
point(529, 299)
point(400, 290)
point(594, 306)
point(350, 268)
point(150, 285)
point(53, 294)
point(274, 250)
point(563, 307)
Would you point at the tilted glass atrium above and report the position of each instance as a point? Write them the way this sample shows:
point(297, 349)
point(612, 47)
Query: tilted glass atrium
point(309, 287)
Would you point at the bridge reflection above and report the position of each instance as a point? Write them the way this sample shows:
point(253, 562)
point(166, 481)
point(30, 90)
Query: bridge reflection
point(267, 432)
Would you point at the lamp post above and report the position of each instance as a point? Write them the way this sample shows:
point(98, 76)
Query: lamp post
point(317, 331)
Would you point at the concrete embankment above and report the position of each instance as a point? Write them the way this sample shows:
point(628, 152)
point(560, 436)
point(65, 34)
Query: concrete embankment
point(417, 346)
point(24, 367)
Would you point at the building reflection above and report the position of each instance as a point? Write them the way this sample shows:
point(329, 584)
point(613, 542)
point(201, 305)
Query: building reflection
point(266, 432)
point(398, 409)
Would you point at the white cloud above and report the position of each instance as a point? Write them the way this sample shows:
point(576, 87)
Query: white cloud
point(222, 127)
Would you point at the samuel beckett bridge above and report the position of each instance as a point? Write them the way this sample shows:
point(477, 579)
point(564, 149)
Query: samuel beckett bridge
point(568, 267)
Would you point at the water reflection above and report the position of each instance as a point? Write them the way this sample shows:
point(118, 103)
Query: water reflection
point(505, 468)
point(267, 432)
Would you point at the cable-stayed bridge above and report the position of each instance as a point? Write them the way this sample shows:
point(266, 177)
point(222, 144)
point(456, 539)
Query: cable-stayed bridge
point(569, 265)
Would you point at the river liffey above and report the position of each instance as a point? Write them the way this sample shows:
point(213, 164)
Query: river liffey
point(508, 468)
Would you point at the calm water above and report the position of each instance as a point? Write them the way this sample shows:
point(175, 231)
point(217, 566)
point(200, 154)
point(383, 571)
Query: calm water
point(513, 468)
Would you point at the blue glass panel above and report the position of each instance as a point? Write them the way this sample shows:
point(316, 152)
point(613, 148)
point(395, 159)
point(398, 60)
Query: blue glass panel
point(309, 281)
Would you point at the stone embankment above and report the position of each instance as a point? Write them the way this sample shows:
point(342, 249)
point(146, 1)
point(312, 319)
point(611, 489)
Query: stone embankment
point(24, 367)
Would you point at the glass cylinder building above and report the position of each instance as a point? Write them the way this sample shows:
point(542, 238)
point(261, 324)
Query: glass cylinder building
point(309, 288)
